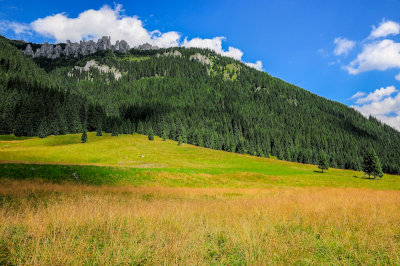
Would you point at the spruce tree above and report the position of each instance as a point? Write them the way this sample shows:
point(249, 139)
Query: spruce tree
point(99, 132)
point(114, 131)
point(180, 140)
point(150, 134)
point(42, 132)
point(323, 163)
point(164, 134)
point(84, 137)
point(371, 164)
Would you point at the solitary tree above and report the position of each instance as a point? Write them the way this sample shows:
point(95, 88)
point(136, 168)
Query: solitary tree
point(150, 134)
point(99, 131)
point(164, 134)
point(84, 137)
point(371, 164)
point(323, 163)
point(180, 140)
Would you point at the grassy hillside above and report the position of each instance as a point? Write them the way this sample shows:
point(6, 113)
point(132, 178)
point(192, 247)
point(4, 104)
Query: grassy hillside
point(140, 162)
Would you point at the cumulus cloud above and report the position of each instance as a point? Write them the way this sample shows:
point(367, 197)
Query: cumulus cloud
point(343, 46)
point(397, 77)
point(257, 65)
point(17, 28)
point(380, 55)
point(384, 29)
point(377, 95)
point(383, 103)
point(214, 44)
point(358, 95)
point(106, 21)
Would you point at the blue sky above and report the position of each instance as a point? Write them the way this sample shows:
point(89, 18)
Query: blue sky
point(294, 40)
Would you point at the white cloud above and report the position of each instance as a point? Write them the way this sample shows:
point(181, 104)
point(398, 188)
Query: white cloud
point(377, 95)
point(343, 46)
point(17, 28)
point(384, 29)
point(214, 44)
point(257, 65)
point(382, 105)
point(397, 77)
point(358, 95)
point(380, 55)
point(107, 21)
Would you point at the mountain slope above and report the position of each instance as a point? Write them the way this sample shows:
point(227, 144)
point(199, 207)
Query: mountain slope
point(204, 99)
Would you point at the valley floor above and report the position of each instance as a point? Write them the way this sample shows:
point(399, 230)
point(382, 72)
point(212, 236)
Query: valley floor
point(161, 203)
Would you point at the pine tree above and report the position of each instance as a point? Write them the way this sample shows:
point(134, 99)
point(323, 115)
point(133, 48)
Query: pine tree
point(84, 137)
point(42, 132)
point(323, 163)
point(150, 134)
point(371, 164)
point(180, 140)
point(99, 132)
point(259, 151)
point(114, 131)
point(164, 134)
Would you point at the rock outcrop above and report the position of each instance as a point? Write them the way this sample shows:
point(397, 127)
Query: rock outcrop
point(201, 58)
point(75, 49)
point(93, 64)
point(121, 46)
point(147, 46)
point(28, 50)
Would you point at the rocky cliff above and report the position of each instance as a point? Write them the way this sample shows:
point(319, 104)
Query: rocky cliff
point(82, 48)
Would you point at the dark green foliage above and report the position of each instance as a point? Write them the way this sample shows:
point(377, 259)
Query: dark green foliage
point(175, 96)
point(84, 137)
point(371, 164)
point(42, 131)
point(150, 134)
point(115, 131)
point(323, 163)
point(164, 135)
point(99, 132)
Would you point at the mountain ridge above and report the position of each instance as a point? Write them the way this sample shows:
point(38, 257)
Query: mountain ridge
point(223, 104)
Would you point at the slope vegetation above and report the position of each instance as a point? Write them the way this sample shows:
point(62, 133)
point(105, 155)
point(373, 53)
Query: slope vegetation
point(192, 94)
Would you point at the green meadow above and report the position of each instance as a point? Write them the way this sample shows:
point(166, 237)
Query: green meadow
point(134, 160)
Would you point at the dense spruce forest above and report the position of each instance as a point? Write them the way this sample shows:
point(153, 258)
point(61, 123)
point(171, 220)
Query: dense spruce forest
point(215, 102)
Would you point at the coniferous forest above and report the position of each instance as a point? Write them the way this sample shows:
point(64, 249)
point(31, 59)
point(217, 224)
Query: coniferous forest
point(221, 104)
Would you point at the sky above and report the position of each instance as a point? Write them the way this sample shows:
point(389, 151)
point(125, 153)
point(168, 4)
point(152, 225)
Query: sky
point(346, 51)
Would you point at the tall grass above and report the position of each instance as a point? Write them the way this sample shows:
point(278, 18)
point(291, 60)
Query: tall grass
point(59, 224)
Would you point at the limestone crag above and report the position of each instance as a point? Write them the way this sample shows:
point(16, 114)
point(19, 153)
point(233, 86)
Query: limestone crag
point(121, 46)
point(93, 64)
point(75, 49)
point(28, 50)
point(147, 46)
point(201, 58)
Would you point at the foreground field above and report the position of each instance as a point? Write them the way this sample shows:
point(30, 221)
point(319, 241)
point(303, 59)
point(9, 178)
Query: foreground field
point(137, 161)
point(128, 200)
point(53, 224)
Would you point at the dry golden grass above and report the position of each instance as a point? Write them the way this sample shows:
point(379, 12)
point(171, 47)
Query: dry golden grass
point(50, 224)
